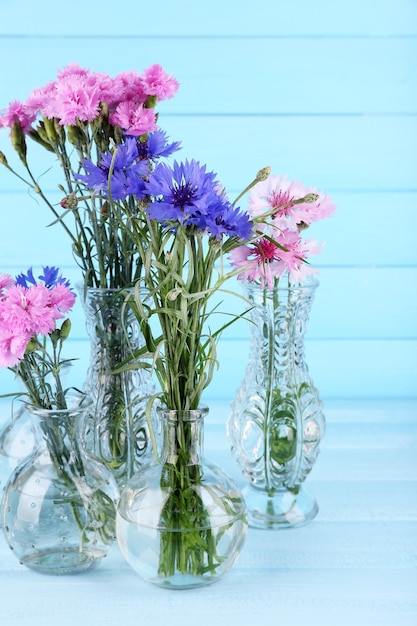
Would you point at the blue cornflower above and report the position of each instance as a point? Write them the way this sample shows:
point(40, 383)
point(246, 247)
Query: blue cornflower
point(224, 219)
point(157, 146)
point(182, 193)
point(127, 172)
point(51, 277)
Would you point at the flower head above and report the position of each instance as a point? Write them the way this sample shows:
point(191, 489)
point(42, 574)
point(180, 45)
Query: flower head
point(17, 113)
point(29, 308)
point(187, 194)
point(266, 259)
point(156, 82)
point(281, 195)
point(134, 118)
point(125, 168)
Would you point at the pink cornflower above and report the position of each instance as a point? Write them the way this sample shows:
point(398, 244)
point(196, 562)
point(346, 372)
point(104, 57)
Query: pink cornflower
point(279, 193)
point(156, 82)
point(135, 120)
point(17, 112)
point(264, 261)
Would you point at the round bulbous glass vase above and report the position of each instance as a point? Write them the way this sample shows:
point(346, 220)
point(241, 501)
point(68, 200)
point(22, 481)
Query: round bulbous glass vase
point(117, 430)
point(16, 443)
point(276, 421)
point(59, 504)
point(181, 522)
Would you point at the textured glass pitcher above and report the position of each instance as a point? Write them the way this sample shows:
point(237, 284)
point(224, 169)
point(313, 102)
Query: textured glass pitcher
point(276, 420)
point(118, 430)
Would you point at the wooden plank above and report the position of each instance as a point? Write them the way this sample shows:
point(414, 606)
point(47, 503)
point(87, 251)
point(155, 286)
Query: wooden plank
point(339, 368)
point(358, 234)
point(184, 18)
point(363, 153)
point(319, 76)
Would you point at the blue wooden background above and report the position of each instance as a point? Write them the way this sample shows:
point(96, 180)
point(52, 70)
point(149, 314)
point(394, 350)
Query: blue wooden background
point(324, 91)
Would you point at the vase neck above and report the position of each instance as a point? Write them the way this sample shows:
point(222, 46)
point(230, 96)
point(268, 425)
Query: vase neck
point(183, 436)
point(59, 432)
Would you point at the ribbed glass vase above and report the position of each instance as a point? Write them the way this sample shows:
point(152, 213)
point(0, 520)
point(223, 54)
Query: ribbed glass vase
point(118, 429)
point(276, 421)
point(181, 522)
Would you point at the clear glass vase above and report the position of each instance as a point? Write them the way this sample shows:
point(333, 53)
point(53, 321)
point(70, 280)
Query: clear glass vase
point(118, 429)
point(276, 421)
point(59, 504)
point(181, 522)
point(16, 443)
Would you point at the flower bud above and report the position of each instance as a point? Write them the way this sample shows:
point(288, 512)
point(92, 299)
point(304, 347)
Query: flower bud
point(18, 140)
point(311, 197)
point(41, 140)
point(173, 294)
point(75, 136)
point(263, 174)
point(65, 329)
point(150, 102)
point(105, 210)
point(69, 202)
point(50, 130)
point(3, 159)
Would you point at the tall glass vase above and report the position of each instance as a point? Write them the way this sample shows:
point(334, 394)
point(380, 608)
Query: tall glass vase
point(118, 430)
point(276, 420)
point(181, 522)
point(59, 504)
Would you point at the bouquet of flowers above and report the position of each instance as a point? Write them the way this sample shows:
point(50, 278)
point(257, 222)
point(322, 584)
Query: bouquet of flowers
point(183, 229)
point(80, 115)
point(31, 344)
point(30, 341)
point(279, 248)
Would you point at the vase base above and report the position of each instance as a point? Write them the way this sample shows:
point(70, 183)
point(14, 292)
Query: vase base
point(61, 562)
point(284, 509)
point(183, 581)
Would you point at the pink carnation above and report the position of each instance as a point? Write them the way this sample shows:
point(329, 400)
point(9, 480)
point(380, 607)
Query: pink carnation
point(62, 299)
point(73, 99)
point(17, 112)
point(135, 120)
point(127, 86)
point(31, 309)
point(12, 346)
point(6, 281)
point(156, 82)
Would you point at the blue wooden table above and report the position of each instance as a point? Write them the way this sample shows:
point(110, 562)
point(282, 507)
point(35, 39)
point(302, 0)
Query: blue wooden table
point(355, 565)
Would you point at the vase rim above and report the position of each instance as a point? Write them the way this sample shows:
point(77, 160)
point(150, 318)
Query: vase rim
point(77, 403)
point(312, 283)
point(188, 415)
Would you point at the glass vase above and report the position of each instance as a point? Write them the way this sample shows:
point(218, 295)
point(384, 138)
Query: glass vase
point(118, 430)
point(276, 421)
point(59, 504)
point(16, 443)
point(181, 522)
